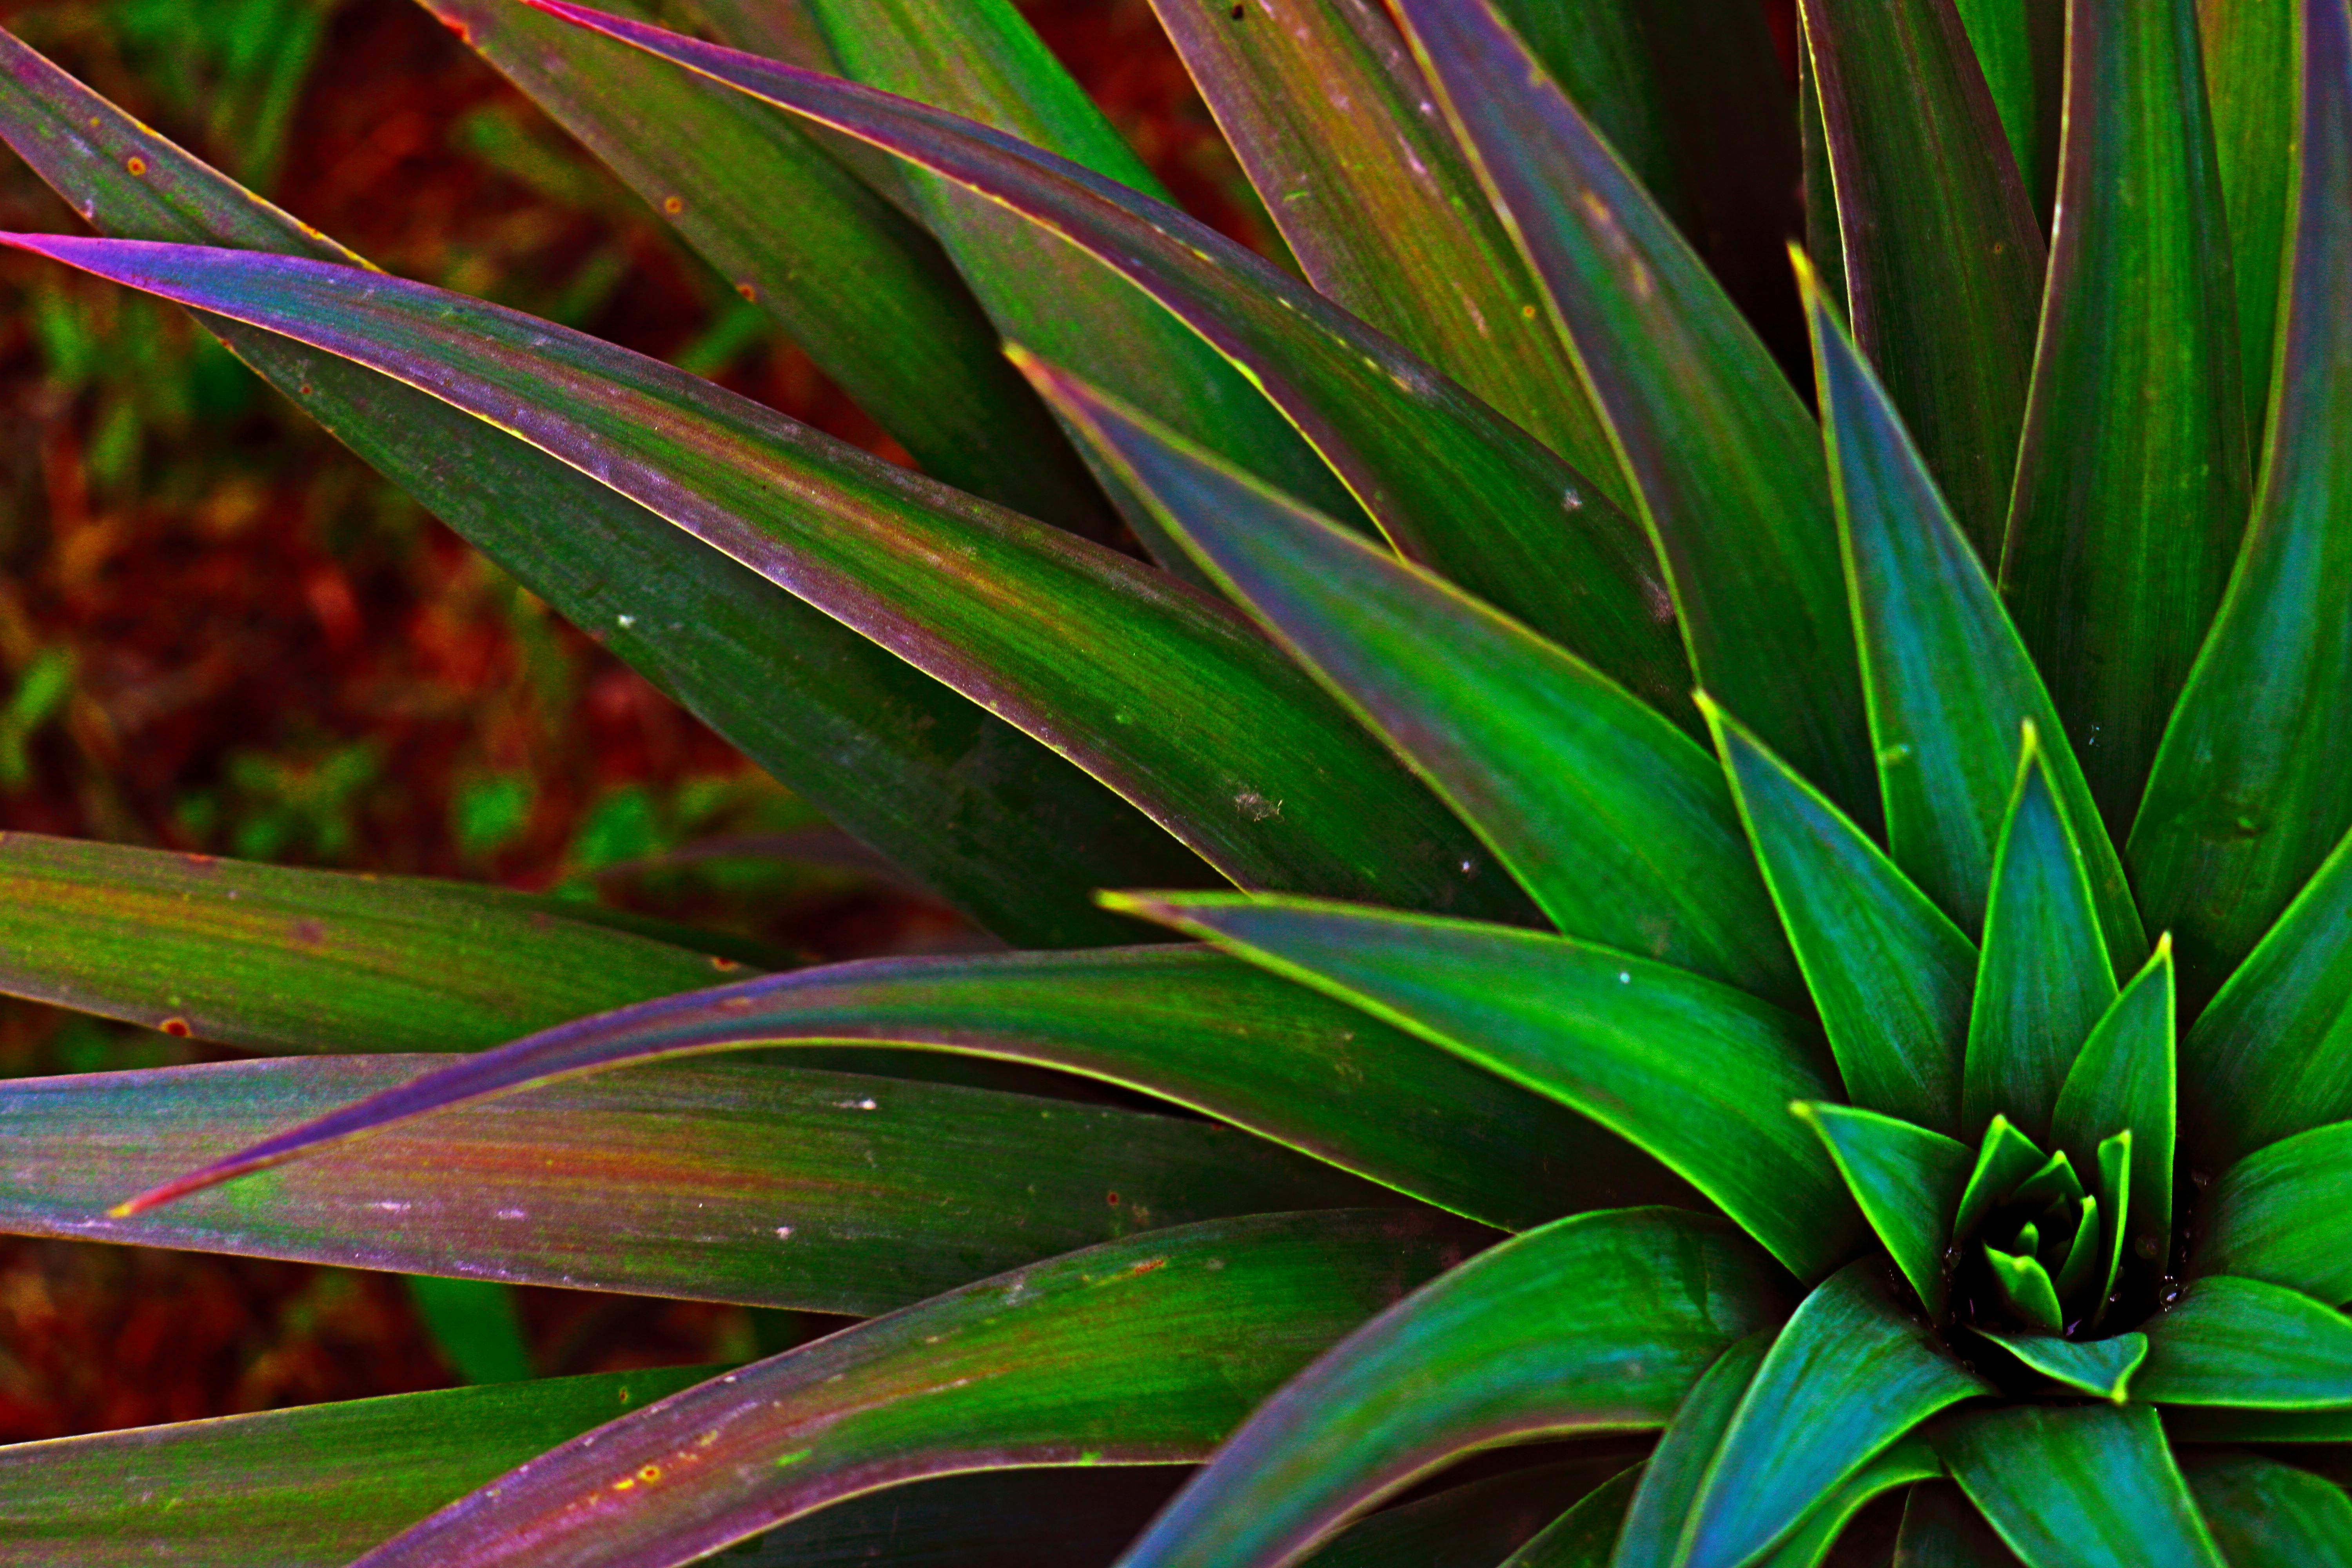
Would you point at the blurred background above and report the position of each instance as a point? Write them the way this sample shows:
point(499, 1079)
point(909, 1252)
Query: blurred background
point(220, 632)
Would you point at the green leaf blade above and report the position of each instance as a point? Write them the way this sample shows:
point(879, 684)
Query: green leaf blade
point(2249, 1344)
point(2264, 1514)
point(2091, 1485)
point(2284, 1214)
point(1671, 1477)
point(2124, 1078)
point(2101, 1368)
point(2249, 49)
point(1907, 1181)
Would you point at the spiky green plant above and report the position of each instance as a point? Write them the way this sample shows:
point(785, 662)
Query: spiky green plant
point(1714, 838)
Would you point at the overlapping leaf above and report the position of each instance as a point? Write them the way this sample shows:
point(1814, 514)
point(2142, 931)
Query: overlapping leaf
point(2250, 53)
point(2090, 1485)
point(2250, 1344)
point(2284, 1214)
point(2264, 1514)
point(1909, 1182)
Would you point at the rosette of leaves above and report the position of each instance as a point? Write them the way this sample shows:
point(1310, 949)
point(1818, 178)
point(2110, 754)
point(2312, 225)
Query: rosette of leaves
point(1772, 911)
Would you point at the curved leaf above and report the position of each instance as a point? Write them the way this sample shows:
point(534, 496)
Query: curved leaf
point(1676, 1468)
point(1612, 819)
point(1940, 1530)
point(2124, 1078)
point(2253, 785)
point(272, 958)
point(1475, 1525)
point(2004, 1159)
point(1594, 1323)
point(1908, 1183)
point(2045, 980)
point(1908, 1462)
point(1186, 1023)
point(2090, 1486)
point(2248, 1343)
point(1724, 459)
point(1580, 1538)
point(1325, 110)
point(1697, 1074)
point(988, 817)
point(1451, 482)
point(2248, 51)
point(2264, 1514)
point(1849, 1375)
point(1145, 1350)
point(1066, 639)
point(1889, 975)
point(1947, 680)
point(731, 1182)
point(2101, 1368)
point(2284, 1214)
point(1942, 276)
point(2133, 474)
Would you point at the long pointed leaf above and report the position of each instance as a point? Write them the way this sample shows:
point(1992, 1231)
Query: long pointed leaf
point(2045, 980)
point(2004, 1159)
point(1598, 1322)
point(986, 815)
point(2250, 1344)
point(1141, 679)
point(1452, 483)
point(1909, 1461)
point(2254, 784)
point(2090, 1486)
point(1699, 1075)
point(1190, 1026)
point(1678, 1467)
point(1581, 1537)
point(1616, 824)
point(1942, 277)
point(2249, 50)
point(2133, 476)
point(1890, 975)
point(2264, 1514)
point(2101, 1368)
point(2284, 1214)
point(1723, 456)
point(1849, 1375)
point(1940, 1530)
point(1908, 1182)
point(1144, 1351)
point(1947, 680)
point(716, 1181)
point(2124, 1078)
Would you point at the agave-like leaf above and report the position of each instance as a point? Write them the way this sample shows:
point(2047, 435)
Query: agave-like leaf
point(713, 1180)
point(2253, 786)
point(983, 814)
point(1671, 1476)
point(1848, 1375)
point(1598, 1322)
point(1141, 1351)
point(2005, 1158)
point(1824, 243)
point(1942, 277)
point(1940, 1530)
point(2248, 1343)
point(1452, 482)
point(1066, 639)
point(2101, 1368)
point(1723, 456)
point(2264, 1514)
point(1326, 111)
point(2132, 480)
point(2284, 1214)
point(2249, 49)
point(272, 958)
point(1906, 1464)
point(1617, 825)
point(2124, 1078)
point(1908, 1183)
point(1189, 1025)
point(2089, 1485)
point(1695, 1073)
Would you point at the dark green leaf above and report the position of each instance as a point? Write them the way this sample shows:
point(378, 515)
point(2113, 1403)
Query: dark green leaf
point(1473, 1526)
point(1942, 276)
point(1940, 1530)
point(2264, 1514)
point(1725, 461)
point(275, 959)
point(1911, 1461)
point(1140, 1351)
point(988, 817)
point(1325, 110)
point(1909, 1182)
point(2004, 1159)
point(1849, 1375)
point(2115, 1166)
point(1186, 1023)
point(2214, 1423)
point(2246, 1342)
point(2021, 44)
point(2088, 1486)
point(1949, 681)
point(1071, 641)
point(1697, 1074)
point(1452, 483)
point(1618, 826)
point(1584, 1535)
point(2133, 475)
point(2284, 1214)
point(2124, 1078)
point(291, 1489)
point(2249, 47)
point(474, 1325)
point(1656, 1520)
point(2045, 979)
point(1890, 975)
point(716, 1181)
point(2026, 1290)
point(2101, 1368)
point(1593, 1324)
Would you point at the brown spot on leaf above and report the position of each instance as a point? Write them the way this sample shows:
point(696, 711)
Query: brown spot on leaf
point(176, 1027)
point(673, 206)
point(747, 292)
point(723, 964)
point(137, 165)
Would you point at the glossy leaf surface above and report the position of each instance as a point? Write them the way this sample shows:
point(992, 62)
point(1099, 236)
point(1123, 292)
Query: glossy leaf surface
point(2254, 786)
point(1673, 1474)
point(2264, 1514)
point(1056, 634)
point(2284, 1214)
point(2101, 1368)
point(2122, 1079)
point(1452, 483)
point(1194, 1027)
point(1613, 820)
point(1909, 1182)
point(1597, 1322)
point(2245, 1342)
point(1890, 975)
point(2004, 1159)
point(987, 817)
point(2133, 477)
point(2088, 1486)
point(1699, 1075)
point(1722, 455)
point(1144, 1351)
point(1943, 277)
point(715, 1181)
point(1909, 1461)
